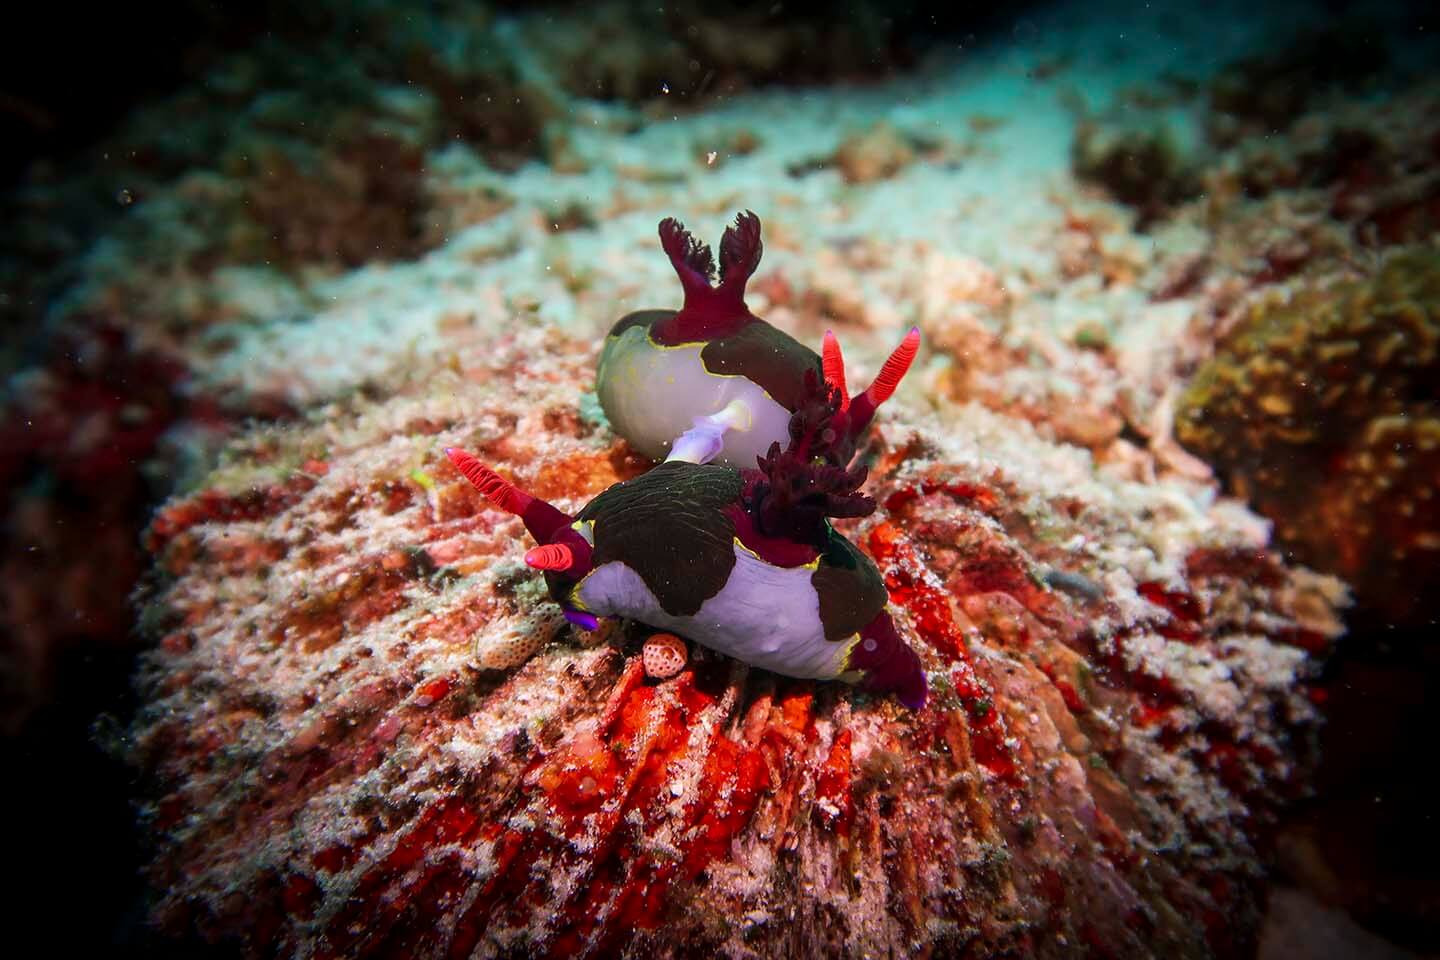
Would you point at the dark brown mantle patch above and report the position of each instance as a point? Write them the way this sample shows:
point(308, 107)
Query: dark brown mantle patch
point(668, 526)
point(767, 355)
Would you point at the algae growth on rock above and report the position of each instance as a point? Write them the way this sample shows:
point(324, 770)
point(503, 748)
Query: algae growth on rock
point(1320, 406)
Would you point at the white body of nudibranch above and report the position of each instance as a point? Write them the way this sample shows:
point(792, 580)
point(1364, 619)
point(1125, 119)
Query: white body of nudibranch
point(765, 615)
point(653, 394)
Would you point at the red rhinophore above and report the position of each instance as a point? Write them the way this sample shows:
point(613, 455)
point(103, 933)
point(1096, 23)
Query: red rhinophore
point(832, 362)
point(862, 408)
point(551, 556)
point(491, 485)
point(895, 367)
point(540, 518)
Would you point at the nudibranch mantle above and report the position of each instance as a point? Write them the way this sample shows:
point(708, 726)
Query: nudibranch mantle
point(713, 381)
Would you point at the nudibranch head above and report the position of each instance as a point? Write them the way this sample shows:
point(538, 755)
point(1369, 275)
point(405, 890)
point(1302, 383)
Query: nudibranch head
point(663, 370)
point(744, 562)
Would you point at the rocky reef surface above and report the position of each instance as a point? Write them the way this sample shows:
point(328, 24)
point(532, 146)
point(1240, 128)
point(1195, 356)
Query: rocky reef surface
point(368, 734)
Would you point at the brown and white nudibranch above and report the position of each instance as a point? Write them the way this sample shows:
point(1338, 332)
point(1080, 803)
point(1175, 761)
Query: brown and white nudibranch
point(742, 561)
point(712, 381)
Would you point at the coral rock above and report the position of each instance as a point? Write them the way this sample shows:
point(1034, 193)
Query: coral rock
point(1141, 167)
point(1321, 405)
point(1119, 675)
point(1266, 92)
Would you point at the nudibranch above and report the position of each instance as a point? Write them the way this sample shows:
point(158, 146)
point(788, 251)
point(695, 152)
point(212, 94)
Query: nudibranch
point(712, 381)
point(744, 562)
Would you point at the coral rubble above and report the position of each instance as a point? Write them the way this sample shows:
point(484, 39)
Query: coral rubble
point(1140, 167)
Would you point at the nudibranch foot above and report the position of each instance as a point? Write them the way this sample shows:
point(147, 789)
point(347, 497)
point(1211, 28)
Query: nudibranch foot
point(706, 438)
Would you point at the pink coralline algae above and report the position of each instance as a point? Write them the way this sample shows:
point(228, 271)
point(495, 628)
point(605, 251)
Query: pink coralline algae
point(1121, 698)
